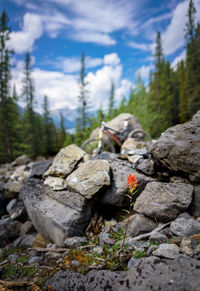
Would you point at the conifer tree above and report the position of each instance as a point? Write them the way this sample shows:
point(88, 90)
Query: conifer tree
point(111, 100)
point(31, 138)
point(9, 118)
point(183, 95)
point(61, 132)
point(47, 138)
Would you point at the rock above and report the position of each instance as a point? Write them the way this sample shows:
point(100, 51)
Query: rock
point(52, 255)
point(11, 190)
point(39, 168)
point(1, 186)
point(185, 227)
point(40, 241)
point(89, 178)
point(189, 246)
point(134, 159)
point(195, 205)
point(21, 160)
point(27, 241)
point(115, 194)
point(104, 238)
point(196, 237)
point(117, 123)
point(74, 242)
point(65, 161)
point(168, 251)
point(185, 215)
point(178, 148)
point(139, 224)
point(131, 263)
point(182, 273)
point(2, 206)
point(158, 237)
point(26, 228)
point(11, 206)
point(133, 147)
point(35, 260)
point(50, 217)
point(177, 179)
point(135, 245)
point(146, 166)
point(98, 250)
point(13, 258)
point(55, 183)
point(15, 208)
point(68, 198)
point(10, 228)
point(164, 201)
point(66, 281)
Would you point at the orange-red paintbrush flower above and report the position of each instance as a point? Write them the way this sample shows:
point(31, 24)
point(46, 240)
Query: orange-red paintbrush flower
point(132, 181)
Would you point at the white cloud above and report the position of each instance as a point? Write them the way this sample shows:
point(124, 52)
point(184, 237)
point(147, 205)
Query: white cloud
point(21, 41)
point(181, 57)
point(94, 37)
point(174, 36)
point(111, 59)
point(144, 71)
point(140, 46)
point(63, 89)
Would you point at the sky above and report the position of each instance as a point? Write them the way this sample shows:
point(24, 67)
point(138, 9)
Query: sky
point(117, 37)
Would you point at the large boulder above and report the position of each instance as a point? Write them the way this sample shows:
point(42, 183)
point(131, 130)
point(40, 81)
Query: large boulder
point(65, 161)
point(147, 274)
point(90, 177)
point(54, 219)
point(117, 123)
point(115, 193)
point(178, 148)
point(185, 227)
point(164, 201)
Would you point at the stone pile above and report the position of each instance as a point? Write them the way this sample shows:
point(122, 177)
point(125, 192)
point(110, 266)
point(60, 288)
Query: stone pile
point(66, 199)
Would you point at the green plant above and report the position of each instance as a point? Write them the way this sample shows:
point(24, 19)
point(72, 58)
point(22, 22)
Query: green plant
point(139, 254)
point(132, 185)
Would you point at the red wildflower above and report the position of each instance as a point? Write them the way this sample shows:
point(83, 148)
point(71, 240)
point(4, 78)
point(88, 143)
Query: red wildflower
point(132, 181)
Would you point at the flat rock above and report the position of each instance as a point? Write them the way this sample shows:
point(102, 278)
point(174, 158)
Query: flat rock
point(115, 193)
point(65, 161)
point(147, 274)
point(178, 148)
point(164, 201)
point(39, 168)
point(89, 178)
point(146, 166)
point(11, 190)
point(185, 227)
point(168, 251)
point(56, 183)
point(140, 224)
point(55, 220)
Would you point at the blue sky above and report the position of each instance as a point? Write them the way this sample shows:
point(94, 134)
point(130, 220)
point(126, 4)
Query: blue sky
point(117, 36)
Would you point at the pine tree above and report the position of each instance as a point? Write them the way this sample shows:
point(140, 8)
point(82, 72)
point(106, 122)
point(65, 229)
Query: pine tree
point(61, 132)
point(83, 116)
point(111, 100)
point(9, 118)
point(31, 139)
point(183, 96)
point(47, 138)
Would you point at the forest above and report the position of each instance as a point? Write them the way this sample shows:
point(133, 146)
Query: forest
point(171, 97)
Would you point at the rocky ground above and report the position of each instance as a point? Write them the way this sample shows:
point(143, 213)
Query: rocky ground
point(62, 224)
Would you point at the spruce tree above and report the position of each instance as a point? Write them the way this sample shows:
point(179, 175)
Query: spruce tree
point(61, 132)
point(31, 139)
point(47, 138)
point(111, 100)
point(9, 118)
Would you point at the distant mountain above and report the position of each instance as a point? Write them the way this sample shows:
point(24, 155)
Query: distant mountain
point(69, 116)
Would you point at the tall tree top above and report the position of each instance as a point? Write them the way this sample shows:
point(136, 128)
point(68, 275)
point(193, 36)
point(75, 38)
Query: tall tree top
point(190, 24)
point(4, 29)
point(158, 52)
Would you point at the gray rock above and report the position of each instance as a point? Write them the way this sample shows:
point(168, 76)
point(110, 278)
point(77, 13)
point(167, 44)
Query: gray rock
point(134, 159)
point(11, 206)
point(35, 260)
point(11, 190)
point(178, 148)
point(185, 227)
point(185, 215)
point(89, 178)
point(140, 224)
point(131, 263)
point(163, 201)
point(13, 258)
point(27, 240)
point(115, 193)
point(147, 274)
point(26, 228)
point(195, 205)
point(50, 217)
point(98, 250)
point(56, 183)
point(10, 228)
point(21, 160)
point(65, 161)
point(1, 186)
point(158, 237)
point(189, 246)
point(168, 251)
point(74, 242)
point(39, 168)
point(133, 147)
point(104, 238)
point(68, 198)
point(146, 166)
